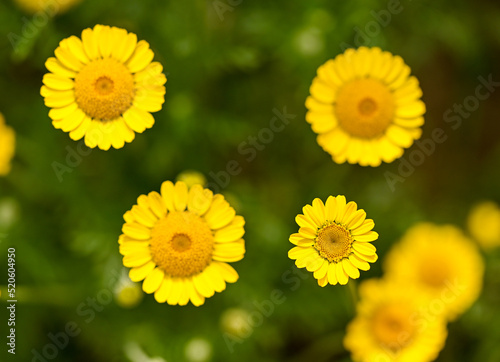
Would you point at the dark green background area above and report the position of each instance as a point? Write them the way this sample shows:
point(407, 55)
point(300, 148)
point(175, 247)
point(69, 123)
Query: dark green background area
point(226, 74)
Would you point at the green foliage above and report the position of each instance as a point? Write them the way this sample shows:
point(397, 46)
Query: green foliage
point(226, 73)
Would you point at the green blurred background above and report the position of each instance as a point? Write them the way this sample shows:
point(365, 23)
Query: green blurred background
point(229, 63)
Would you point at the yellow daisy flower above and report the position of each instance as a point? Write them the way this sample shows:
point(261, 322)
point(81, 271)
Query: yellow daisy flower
point(180, 242)
point(365, 107)
point(333, 241)
point(484, 224)
point(390, 327)
point(103, 87)
point(52, 7)
point(7, 146)
point(442, 262)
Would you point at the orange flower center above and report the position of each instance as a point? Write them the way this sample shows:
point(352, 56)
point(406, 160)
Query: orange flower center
point(434, 273)
point(104, 89)
point(334, 242)
point(181, 244)
point(392, 327)
point(365, 108)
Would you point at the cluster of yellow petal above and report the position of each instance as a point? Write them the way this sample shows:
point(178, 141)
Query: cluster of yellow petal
point(103, 87)
point(442, 262)
point(334, 240)
point(431, 276)
point(180, 242)
point(390, 325)
point(365, 107)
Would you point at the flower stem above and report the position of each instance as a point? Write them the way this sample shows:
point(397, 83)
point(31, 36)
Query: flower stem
point(353, 292)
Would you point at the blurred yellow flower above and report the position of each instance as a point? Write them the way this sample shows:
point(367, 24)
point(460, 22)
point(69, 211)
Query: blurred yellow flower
point(390, 327)
point(484, 224)
point(103, 87)
point(127, 293)
point(7, 146)
point(180, 243)
point(333, 241)
point(51, 7)
point(365, 107)
point(235, 321)
point(191, 178)
point(442, 262)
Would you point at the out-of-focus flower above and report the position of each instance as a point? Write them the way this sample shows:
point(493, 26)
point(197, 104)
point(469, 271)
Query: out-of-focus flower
point(365, 107)
point(103, 87)
point(7, 146)
point(191, 178)
point(235, 321)
point(127, 293)
point(442, 262)
point(484, 224)
point(198, 350)
point(389, 325)
point(334, 240)
point(180, 243)
point(51, 7)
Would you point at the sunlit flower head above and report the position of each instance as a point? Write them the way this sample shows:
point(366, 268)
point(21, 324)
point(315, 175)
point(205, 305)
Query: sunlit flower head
point(49, 7)
point(389, 326)
point(180, 242)
point(7, 146)
point(334, 240)
point(442, 262)
point(365, 107)
point(103, 87)
point(484, 224)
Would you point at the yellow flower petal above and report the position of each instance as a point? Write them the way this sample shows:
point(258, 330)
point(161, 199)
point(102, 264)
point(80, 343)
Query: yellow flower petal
point(56, 67)
point(136, 231)
point(196, 298)
point(176, 290)
point(180, 196)
point(125, 48)
point(319, 107)
point(70, 122)
point(167, 193)
point(141, 57)
point(156, 204)
point(367, 225)
point(320, 272)
point(332, 274)
point(331, 209)
point(220, 213)
point(74, 45)
point(322, 91)
point(349, 210)
point(227, 271)
point(369, 236)
point(350, 269)
point(229, 252)
point(153, 281)
point(138, 120)
point(138, 274)
point(359, 263)
point(58, 82)
point(203, 285)
point(164, 290)
point(199, 200)
point(136, 259)
point(341, 275)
